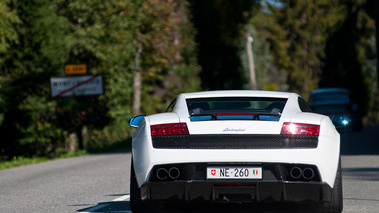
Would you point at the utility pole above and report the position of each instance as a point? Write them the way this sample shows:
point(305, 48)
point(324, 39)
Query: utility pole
point(137, 81)
point(249, 42)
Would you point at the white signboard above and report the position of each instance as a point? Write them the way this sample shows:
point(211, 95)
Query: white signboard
point(76, 86)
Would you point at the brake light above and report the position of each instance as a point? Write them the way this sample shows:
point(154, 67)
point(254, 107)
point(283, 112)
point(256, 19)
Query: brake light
point(169, 129)
point(300, 129)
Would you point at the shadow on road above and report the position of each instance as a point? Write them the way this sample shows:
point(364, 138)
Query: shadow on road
point(241, 208)
point(365, 142)
point(124, 207)
point(113, 206)
point(361, 174)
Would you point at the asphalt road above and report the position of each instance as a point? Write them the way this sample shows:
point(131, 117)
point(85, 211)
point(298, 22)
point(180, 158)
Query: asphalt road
point(66, 185)
point(360, 170)
point(100, 183)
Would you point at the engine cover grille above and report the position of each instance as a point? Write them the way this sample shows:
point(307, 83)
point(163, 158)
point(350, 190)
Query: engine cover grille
point(232, 141)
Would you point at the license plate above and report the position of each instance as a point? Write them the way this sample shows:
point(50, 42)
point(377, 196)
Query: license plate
point(234, 173)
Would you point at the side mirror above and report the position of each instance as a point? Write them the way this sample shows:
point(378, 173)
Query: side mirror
point(340, 121)
point(135, 120)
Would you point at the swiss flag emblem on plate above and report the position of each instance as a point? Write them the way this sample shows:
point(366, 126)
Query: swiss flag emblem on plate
point(213, 172)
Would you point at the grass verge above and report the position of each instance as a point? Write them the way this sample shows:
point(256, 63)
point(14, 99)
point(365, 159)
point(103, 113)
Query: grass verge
point(22, 161)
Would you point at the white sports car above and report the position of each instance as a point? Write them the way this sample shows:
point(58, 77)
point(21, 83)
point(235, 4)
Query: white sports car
point(236, 146)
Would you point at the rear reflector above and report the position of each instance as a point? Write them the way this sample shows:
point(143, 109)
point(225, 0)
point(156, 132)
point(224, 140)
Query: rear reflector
point(300, 129)
point(169, 129)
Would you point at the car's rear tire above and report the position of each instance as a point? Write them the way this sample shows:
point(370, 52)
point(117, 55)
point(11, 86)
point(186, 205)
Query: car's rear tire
point(336, 204)
point(137, 205)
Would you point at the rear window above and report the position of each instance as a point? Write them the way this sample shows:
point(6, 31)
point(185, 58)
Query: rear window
point(234, 105)
point(335, 97)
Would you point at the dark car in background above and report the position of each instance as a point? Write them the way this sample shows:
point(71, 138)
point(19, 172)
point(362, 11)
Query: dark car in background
point(337, 101)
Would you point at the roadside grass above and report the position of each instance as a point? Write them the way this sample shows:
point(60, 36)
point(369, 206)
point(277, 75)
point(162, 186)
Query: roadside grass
point(22, 161)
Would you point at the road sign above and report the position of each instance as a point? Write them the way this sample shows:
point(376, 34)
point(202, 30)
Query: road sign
point(76, 69)
point(76, 86)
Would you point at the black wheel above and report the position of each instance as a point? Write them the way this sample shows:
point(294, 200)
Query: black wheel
point(137, 205)
point(336, 204)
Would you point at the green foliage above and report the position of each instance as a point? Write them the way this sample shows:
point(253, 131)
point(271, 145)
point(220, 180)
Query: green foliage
point(25, 69)
point(40, 37)
point(180, 53)
point(346, 53)
point(320, 44)
point(103, 34)
point(296, 32)
point(8, 19)
point(168, 58)
point(20, 161)
point(372, 118)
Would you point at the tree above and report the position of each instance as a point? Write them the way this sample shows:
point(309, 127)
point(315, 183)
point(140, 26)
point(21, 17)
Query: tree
point(346, 52)
point(27, 65)
point(296, 32)
point(167, 59)
point(105, 35)
point(8, 34)
point(8, 19)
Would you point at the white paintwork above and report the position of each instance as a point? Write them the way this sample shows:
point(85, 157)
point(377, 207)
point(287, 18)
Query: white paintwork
point(325, 156)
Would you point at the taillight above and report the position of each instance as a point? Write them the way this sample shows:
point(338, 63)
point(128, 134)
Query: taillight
point(300, 129)
point(169, 129)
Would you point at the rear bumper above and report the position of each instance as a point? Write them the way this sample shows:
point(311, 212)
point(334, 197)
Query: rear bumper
point(278, 184)
point(325, 157)
point(205, 192)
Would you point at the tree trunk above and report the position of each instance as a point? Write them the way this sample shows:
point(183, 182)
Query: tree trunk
point(80, 137)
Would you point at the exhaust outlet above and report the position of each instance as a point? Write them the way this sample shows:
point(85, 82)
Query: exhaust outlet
point(173, 173)
point(296, 172)
point(162, 174)
point(308, 173)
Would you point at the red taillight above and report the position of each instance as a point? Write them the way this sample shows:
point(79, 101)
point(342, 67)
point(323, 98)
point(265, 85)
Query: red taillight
point(169, 129)
point(300, 129)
